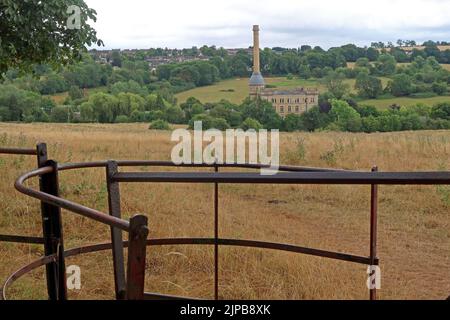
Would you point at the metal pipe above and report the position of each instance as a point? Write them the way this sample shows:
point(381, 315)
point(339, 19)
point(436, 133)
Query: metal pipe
point(153, 163)
point(216, 237)
point(18, 151)
point(188, 241)
point(116, 234)
point(373, 229)
point(21, 239)
point(136, 257)
point(360, 178)
point(66, 204)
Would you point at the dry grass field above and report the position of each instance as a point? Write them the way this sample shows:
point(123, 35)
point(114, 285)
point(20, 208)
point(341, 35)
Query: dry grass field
point(414, 221)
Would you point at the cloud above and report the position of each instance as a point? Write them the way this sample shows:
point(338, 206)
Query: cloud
point(287, 23)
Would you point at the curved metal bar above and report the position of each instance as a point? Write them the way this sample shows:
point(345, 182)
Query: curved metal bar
point(66, 204)
point(185, 241)
point(156, 163)
point(107, 219)
point(261, 245)
point(24, 270)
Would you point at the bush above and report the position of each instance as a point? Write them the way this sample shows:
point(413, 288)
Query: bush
point(75, 93)
point(401, 85)
point(159, 125)
point(345, 116)
point(251, 123)
point(122, 119)
point(60, 114)
point(441, 111)
point(439, 88)
point(209, 122)
point(421, 95)
point(293, 122)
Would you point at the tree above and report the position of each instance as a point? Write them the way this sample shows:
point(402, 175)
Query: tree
point(439, 88)
point(385, 65)
point(368, 86)
point(192, 107)
point(293, 122)
point(159, 125)
point(401, 85)
point(209, 122)
point(38, 32)
point(335, 84)
point(60, 114)
point(175, 115)
point(363, 63)
point(314, 119)
point(372, 54)
point(122, 119)
point(251, 123)
point(325, 101)
point(441, 111)
point(116, 59)
point(105, 107)
point(87, 112)
point(347, 118)
point(75, 93)
point(262, 111)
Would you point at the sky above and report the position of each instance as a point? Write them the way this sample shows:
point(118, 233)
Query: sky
point(140, 24)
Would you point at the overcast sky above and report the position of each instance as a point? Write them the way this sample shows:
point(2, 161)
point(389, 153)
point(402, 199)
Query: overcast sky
point(287, 23)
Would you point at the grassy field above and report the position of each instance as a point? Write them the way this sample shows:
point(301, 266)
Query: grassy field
point(414, 222)
point(236, 90)
point(404, 101)
point(59, 98)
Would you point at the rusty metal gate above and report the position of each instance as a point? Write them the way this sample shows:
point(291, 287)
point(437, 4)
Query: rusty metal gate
point(129, 281)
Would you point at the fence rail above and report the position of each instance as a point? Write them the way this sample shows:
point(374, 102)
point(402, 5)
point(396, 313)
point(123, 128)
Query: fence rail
point(129, 282)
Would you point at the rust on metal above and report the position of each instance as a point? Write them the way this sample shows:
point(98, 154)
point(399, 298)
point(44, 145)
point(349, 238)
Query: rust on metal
point(53, 235)
point(359, 178)
point(18, 151)
point(373, 229)
point(116, 233)
point(216, 237)
point(21, 239)
point(137, 237)
point(66, 204)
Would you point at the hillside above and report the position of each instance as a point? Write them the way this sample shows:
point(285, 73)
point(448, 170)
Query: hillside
point(236, 90)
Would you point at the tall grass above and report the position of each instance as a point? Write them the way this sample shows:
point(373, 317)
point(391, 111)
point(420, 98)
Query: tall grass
point(414, 221)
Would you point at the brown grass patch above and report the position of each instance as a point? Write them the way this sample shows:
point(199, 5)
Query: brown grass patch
point(414, 224)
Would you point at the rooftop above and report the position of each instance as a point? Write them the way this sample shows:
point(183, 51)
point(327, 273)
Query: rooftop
point(293, 91)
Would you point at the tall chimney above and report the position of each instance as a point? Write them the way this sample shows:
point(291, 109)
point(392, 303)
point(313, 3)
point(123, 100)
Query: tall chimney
point(256, 67)
point(256, 82)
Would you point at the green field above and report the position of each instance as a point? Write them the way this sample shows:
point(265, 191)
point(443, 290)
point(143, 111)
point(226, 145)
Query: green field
point(236, 90)
point(222, 89)
point(404, 101)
